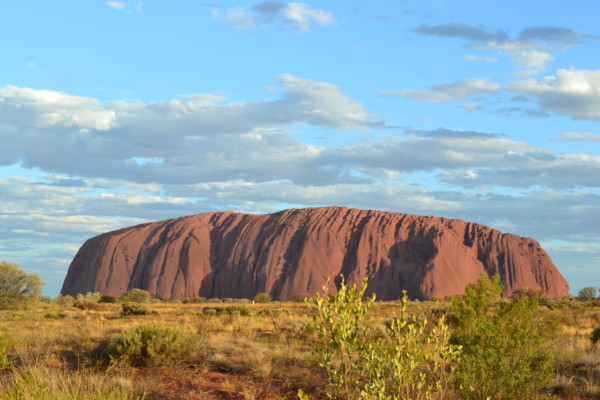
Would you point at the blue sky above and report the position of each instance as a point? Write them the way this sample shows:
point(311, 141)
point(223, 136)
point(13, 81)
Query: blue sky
point(121, 112)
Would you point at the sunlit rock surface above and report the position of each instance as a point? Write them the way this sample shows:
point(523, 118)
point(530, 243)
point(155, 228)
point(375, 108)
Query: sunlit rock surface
point(291, 254)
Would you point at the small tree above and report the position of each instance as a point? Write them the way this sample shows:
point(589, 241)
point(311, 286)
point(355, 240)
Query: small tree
point(589, 292)
point(16, 285)
point(501, 344)
point(262, 298)
point(136, 296)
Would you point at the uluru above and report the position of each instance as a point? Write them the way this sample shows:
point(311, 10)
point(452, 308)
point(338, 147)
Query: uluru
point(292, 253)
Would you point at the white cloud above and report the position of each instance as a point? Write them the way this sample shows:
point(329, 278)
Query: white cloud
point(45, 108)
point(533, 59)
point(192, 139)
point(117, 5)
point(198, 140)
point(298, 16)
point(572, 92)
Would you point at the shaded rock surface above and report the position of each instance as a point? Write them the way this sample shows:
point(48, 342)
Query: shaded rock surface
point(292, 253)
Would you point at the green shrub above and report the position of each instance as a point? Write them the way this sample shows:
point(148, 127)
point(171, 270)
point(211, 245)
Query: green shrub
point(136, 296)
point(89, 301)
point(262, 298)
point(530, 293)
point(64, 301)
point(135, 309)
point(107, 299)
point(229, 310)
point(589, 292)
point(90, 296)
point(595, 335)
point(409, 362)
point(194, 300)
point(17, 286)
point(502, 355)
point(214, 300)
point(153, 344)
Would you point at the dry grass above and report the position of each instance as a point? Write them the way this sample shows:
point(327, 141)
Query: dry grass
point(58, 352)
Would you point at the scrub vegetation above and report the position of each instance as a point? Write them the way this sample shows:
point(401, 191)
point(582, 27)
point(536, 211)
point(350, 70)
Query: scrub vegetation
point(343, 346)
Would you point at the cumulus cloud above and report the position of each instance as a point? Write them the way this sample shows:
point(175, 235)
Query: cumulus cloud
point(22, 107)
point(187, 139)
point(571, 92)
point(449, 91)
point(202, 138)
point(298, 16)
point(533, 59)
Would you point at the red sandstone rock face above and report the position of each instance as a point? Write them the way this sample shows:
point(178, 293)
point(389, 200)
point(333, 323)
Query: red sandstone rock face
point(293, 252)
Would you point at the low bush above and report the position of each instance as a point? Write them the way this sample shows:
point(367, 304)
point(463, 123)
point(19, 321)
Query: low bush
point(194, 300)
point(229, 310)
point(502, 343)
point(107, 299)
point(214, 300)
point(136, 296)
point(135, 309)
point(411, 361)
point(153, 344)
point(595, 335)
point(64, 301)
point(262, 298)
point(88, 301)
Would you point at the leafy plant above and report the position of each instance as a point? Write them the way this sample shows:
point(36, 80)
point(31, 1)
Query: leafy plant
point(193, 300)
point(134, 309)
point(501, 342)
point(412, 362)
point(17, 286)
point(589, 292)
point(262, 298)
point(107, 299)
point(136, 296)
point(88, 301)
point(63, 301)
